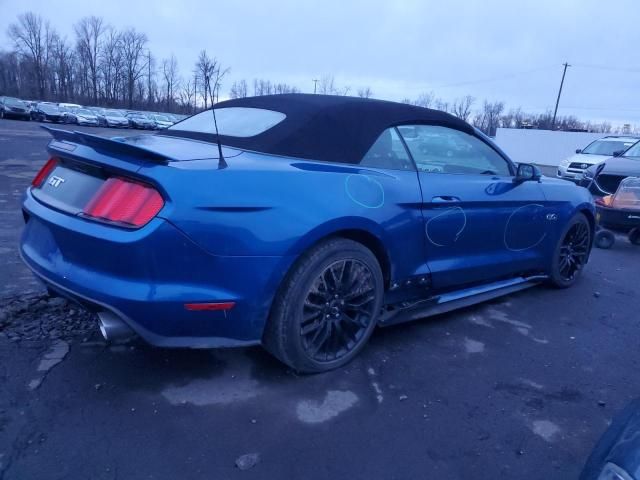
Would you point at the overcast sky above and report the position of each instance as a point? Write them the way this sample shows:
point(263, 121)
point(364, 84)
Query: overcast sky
point(509, 50)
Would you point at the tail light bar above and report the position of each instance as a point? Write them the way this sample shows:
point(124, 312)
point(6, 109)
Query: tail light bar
point(44, 172)
point(120, 201)
point(124, 202)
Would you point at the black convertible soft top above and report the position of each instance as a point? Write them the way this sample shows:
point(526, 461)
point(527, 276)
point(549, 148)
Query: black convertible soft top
point(325, 127)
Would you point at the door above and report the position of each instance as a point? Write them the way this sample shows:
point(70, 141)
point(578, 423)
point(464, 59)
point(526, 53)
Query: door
point(479, 224)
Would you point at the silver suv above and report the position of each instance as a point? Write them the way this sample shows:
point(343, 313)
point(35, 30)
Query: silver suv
point(573, 168)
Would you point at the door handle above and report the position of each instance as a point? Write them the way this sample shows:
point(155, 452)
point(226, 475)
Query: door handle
point(445, 199)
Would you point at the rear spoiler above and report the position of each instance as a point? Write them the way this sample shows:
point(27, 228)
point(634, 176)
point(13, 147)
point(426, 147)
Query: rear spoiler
point(107, 145)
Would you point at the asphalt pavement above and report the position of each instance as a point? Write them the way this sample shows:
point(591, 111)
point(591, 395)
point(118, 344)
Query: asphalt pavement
point(519, 388)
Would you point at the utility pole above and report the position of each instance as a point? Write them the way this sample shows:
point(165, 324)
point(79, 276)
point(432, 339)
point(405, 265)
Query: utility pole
point(315, 85)
point(555, 112)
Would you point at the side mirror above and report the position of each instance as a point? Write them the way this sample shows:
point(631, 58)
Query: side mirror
point(578, 150)
point(527, 172)
point(617, 153)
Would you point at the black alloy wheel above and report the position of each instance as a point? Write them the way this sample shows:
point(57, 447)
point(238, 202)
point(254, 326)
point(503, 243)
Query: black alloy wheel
point(326, 307)
point(337, 310)
point(574, 251)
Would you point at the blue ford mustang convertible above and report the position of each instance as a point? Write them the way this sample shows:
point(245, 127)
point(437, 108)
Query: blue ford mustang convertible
point(299, 222)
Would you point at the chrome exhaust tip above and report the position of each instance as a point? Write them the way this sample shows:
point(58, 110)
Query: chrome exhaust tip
point(112, 328)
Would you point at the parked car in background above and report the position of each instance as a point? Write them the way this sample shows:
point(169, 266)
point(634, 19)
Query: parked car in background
point(112, 118)
point(141, 121)
point(83, 116)
point(11, 107)
point(47, 112)
point(309, 224)
point(573, 167)
point(69, 106)
point(160, 121)
point(604, 178)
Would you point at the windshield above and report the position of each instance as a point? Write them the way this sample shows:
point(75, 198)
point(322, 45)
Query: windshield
point(14, 101)
point(161, 118)
point(232, 121)
point(607, 147)
point(633, 152)
point(113, 113)
point(48, 108)
point(82, 111)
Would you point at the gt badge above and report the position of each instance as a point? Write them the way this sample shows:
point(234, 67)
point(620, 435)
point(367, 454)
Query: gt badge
point(55, 181)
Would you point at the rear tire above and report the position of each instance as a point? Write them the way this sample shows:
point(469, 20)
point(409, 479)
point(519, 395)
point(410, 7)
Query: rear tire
point(326, 307)
point(604, 239)
point(571, 253)
point(634, 236)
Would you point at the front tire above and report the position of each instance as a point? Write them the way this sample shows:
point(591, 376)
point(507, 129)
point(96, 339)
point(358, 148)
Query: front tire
point(571, 253)
point(634, 236)
point(326, 307)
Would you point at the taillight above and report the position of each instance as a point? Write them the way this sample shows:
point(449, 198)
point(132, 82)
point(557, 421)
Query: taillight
point(125, 202)
point(44, 172)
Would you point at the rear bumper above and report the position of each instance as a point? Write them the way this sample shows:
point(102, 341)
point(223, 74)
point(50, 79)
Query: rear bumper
point(146, 276)
point(616, 219)
point(22, 115)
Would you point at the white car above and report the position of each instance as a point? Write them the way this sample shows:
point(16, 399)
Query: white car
point(82, 116)
point(113, 118)
point(573, 167)
point(161, 121)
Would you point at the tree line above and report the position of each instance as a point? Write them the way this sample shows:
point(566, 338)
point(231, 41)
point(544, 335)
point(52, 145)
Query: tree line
point(105, 66)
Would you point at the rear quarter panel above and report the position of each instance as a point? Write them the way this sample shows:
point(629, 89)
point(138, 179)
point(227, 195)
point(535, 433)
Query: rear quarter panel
point(263, 205)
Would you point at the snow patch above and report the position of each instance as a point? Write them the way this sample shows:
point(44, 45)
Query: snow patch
point(473, 346)
point(546, 429)
point(334, 403)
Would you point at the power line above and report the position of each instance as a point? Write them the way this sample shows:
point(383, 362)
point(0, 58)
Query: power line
point(607, 68)
point(496, 79)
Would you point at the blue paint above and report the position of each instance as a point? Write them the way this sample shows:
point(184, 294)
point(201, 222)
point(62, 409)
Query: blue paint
point(232, 234)
point(364, 190)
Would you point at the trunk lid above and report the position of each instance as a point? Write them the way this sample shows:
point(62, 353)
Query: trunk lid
point(83, 163)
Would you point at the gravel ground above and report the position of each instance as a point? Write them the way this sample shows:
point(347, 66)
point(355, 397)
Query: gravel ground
point(520, 387)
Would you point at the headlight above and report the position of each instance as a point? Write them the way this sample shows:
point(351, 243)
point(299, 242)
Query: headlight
point(613, 472)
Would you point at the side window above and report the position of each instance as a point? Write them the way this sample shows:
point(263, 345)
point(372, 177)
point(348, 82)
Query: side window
point(388, 152)
point(445, 150)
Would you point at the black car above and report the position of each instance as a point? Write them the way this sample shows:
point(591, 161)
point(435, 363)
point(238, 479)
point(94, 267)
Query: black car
point(609, 173)
point(14, 108)
point(47, 112)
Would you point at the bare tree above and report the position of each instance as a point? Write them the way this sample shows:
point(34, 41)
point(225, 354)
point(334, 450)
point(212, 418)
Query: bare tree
point(32, 37)
point(488, 119)
point(111, 64)
point(188, 94)
point(89, 32)
point(424, 100)
point(365, 92)
point(205, 70)
point(326, 85)
point(461, 107)
point(133, 46)
point(151, 74)
point(63, 61)
point(239, 89)
point(170, 78)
